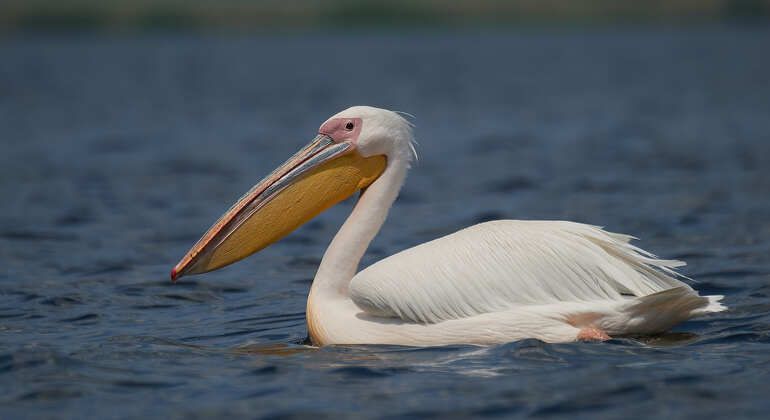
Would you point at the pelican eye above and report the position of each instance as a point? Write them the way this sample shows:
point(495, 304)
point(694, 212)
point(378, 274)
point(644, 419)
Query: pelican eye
point(349, 126)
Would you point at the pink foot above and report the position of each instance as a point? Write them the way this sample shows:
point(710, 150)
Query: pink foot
point(592, 334)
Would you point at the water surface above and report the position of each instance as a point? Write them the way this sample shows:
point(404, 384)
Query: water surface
point(118, 153)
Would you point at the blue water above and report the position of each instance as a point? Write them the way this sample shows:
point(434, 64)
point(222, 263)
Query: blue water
point(119, 151)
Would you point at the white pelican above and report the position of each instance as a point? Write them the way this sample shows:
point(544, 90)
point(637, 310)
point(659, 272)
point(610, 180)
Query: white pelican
point(494, 282)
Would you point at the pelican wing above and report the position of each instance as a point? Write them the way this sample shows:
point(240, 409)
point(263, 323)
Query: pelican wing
point(499, 265)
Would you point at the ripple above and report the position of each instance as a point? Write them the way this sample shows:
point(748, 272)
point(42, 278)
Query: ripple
point(488, 216)
point(190, 297)
point(47, 394)
point(81, 318)
point(270, 319)
point(225, 334)
point(304, 262)
point(736, 337)
point(274, 349)
point(75, 217)
point(28, 235)
point(180, 167)
point(498, 410)
point(512, 184)
point(129, 383)
point(63, 301)
point(154, 306)
point(300, 239)
point(9, 364)
point(10, 315)
point(265, 370)
point(728, 274)
point(102, 268)
point(263, 393)
point(360, 372)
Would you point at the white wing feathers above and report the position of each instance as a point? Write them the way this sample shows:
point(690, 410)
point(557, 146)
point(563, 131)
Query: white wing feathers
point(499, 265)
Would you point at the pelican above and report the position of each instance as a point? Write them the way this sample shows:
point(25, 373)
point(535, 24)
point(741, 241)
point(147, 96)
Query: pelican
point(494, 282)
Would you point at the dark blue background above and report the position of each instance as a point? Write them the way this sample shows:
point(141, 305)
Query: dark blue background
point(118, 152)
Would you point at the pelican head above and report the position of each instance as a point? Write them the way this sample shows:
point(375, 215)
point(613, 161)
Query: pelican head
point(351, 150)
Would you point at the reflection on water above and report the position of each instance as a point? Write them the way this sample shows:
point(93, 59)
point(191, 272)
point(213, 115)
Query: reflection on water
point(669, 339)
point(119, 152)
point(277, 349)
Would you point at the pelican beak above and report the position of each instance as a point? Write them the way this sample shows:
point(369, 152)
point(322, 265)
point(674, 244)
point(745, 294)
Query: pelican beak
point(317, 177)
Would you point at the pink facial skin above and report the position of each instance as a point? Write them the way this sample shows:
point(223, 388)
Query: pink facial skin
point(339, 129)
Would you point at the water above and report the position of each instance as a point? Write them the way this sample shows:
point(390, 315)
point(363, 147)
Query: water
point(118, 152)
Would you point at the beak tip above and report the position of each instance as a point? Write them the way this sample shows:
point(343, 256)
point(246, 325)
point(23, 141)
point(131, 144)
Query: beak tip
point(173, 275)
